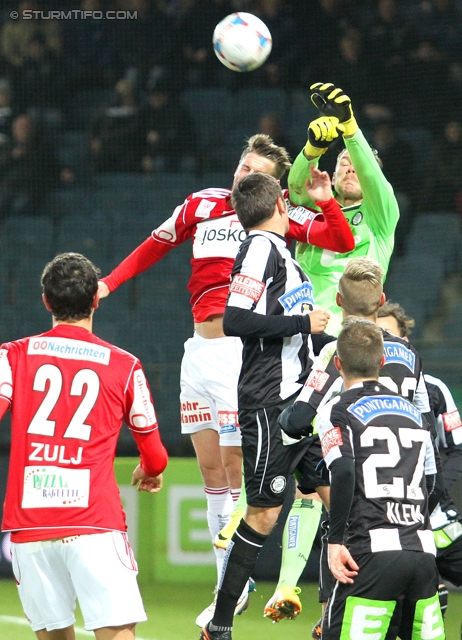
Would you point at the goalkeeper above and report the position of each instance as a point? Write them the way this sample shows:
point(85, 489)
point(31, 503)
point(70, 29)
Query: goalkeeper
point(361, 189)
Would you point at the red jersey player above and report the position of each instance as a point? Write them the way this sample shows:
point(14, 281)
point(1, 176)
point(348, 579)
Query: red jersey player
point(212, 362)
point(69, 392)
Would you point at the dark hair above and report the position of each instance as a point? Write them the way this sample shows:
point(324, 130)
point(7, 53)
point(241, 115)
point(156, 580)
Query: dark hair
point(70, 283)
point(360, 348)
point(263, 146)
point(396, 311)
point(254, 198)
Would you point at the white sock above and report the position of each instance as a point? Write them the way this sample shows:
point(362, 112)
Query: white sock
point(219, 506)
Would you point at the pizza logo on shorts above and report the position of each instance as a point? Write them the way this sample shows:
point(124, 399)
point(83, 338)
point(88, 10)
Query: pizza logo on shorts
point(317, 379)
point(451, 420)
point(278, 484)
point(333, 438)
point(248, 287)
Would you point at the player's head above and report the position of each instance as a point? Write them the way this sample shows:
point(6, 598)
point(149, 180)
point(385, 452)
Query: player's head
point(345, 181)
point(255, 199)
point(261, 154)
point(360, 289)
point(393, 319)
point(70, 286)
point(360, 349)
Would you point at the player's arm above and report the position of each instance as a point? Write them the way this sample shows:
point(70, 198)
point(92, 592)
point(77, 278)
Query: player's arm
point(339, 459)
point(329, 231)
point(297, 418)
point(321, 133)
point(170, 234)
point(6, 381)
point(377, 191)
point(141, 419)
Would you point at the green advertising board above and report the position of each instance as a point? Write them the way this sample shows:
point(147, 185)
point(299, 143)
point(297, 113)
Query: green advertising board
point(168, 530)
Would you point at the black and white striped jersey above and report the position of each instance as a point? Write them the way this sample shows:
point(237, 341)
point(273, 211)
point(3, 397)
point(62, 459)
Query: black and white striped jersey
point(382, 433)
point(401, 373)
point(267, 306)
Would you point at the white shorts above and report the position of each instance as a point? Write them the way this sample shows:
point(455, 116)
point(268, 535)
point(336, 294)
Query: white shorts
point(97, 569)
point(209, 375)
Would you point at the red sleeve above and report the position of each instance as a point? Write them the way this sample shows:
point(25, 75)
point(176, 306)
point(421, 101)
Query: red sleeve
point(143, 257)
point(333, 232)
point(329, 231)
point(153, 454)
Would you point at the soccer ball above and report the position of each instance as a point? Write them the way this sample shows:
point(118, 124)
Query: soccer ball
point(242, 42)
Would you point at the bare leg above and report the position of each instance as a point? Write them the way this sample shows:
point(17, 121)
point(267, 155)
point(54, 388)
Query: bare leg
point(124, 632)
point(67, 633)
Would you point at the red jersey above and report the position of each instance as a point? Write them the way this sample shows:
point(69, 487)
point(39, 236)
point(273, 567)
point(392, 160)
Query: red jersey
point(69, 392)
point(208, 219)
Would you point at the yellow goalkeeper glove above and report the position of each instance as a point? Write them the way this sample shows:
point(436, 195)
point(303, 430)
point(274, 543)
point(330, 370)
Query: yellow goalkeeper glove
point(332, 101)
point(321, 133)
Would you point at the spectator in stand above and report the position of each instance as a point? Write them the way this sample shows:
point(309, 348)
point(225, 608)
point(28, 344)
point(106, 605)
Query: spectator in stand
point(442, 190)
point(116, 135)
point(389, 41)
point(196, 61)
point(285, 34)
point(40, 82)
point(90, 49)
point(398, 166)
point(16, 35)
point(167, 130)
point(30, 172)
point(270, 124)
point(441, 21)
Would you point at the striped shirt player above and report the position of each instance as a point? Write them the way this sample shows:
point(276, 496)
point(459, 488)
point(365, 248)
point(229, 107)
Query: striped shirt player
point(268, 303)
point(208, 220)
point(445, 518)
point(378, 455)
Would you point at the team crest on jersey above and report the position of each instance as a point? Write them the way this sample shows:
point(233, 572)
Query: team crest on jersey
point(357, 219)
point(204, 208)
point(278, 484)
point(398, 353)
point(300, 214)
point(248, 287)
point(451, 420)
point(366, 409)
point(301, 295)
point(333, 438)
point(317, 380)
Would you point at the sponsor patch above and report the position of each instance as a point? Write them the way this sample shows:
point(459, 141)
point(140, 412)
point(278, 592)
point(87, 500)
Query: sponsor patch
point(49, 486)
point(142, 413)
point(451, 420)
point(248, 287)
point(300, 214)
point(293, 529)
point(68, 349)
point(204, 208)
point(302, 295)
point(195, 411)
point(317, 380)
point(227, 417)
point(333, 438)
point(398, 353)
point(373, 406)
point(278, 484)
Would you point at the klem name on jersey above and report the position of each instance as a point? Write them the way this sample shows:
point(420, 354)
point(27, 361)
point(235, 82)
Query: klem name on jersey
point(398, 353)
point(404, 514)
point(297, 296)
point(69, 349)
point(373, 406)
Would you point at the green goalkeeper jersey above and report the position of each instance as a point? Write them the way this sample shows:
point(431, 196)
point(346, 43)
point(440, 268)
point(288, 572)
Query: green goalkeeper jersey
point(372, 222)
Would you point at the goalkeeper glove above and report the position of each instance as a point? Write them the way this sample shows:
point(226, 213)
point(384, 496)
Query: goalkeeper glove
point(321, 133)
point(332, 101)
